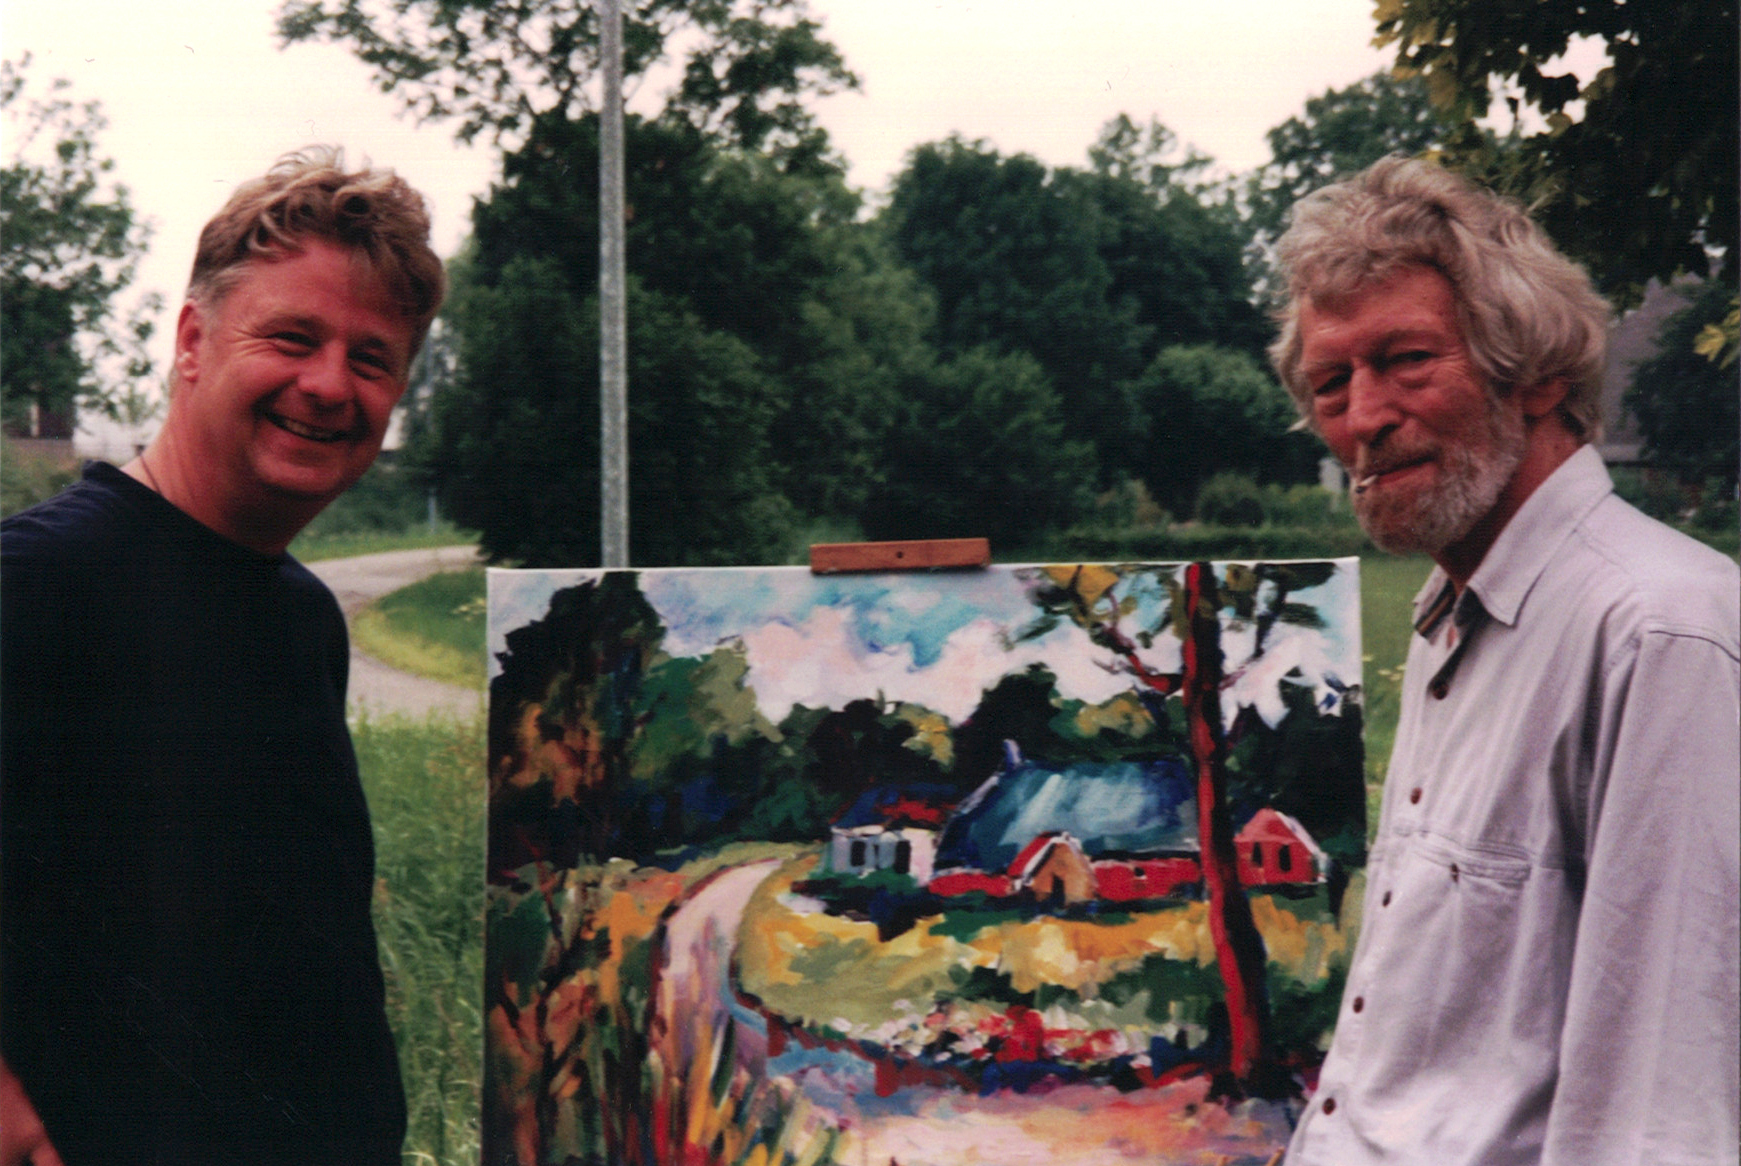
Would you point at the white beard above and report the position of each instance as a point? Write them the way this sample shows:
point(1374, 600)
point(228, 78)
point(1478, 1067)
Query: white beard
point(1476, 467)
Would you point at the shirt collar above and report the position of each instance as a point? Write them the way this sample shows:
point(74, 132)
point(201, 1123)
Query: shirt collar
point(1524, 548)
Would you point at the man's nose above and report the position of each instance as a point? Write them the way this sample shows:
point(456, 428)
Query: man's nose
point(1372, 404)
point(326, 376)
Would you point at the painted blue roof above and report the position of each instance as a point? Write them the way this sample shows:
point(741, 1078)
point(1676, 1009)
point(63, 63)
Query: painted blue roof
point(1119, 807)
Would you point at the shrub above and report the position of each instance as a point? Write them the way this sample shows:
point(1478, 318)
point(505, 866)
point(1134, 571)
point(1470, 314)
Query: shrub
point(1129, 504)
point(386, 498)
point(29, 476)
point(1657, 494)
point(1231, 499)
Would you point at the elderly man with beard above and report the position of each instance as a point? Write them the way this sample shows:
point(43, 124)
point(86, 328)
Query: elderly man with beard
point(1547, 966)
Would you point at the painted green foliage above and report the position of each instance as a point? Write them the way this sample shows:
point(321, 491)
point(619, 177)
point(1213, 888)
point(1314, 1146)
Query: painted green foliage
point(634, 766)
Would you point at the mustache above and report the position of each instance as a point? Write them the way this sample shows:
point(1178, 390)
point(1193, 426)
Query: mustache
point(1372, 463)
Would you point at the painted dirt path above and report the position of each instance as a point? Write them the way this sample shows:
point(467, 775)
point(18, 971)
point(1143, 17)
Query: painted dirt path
point(924, 1125)
point(359, 581)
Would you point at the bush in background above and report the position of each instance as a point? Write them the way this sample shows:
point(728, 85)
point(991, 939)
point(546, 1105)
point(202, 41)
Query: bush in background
point(1229, 499)
point(30, 474)
point(386, 498)
point(1707, 511)
point(1129, 504)
point(1191, 543)
point(1237, 518)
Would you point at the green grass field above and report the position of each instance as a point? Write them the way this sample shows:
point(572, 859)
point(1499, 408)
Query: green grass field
point(1387, 587)
point(433, 628)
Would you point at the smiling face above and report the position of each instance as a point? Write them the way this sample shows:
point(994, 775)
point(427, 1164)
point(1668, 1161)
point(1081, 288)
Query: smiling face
point(283, 391)
point(1398, 401)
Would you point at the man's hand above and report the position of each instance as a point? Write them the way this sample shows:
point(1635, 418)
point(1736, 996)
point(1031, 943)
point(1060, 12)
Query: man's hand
point(22, 1138)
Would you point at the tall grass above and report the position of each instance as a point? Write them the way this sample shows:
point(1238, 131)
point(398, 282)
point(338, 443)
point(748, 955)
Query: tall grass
point(1387, 586)
point(424, 780)
point(32, 472)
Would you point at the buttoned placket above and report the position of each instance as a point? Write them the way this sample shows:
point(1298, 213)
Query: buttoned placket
point(1467, 618)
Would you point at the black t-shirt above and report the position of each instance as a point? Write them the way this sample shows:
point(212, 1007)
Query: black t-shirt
point(188, 970)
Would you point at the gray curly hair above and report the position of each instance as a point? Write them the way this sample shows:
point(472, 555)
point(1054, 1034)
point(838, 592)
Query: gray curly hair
point(1527, 313)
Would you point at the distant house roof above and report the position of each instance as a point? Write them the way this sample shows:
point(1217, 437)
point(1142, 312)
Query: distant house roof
point(1632, 341)
point(895, 807)
point(1269, 825)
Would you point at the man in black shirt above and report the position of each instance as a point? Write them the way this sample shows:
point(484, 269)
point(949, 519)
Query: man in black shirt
point(188, 971)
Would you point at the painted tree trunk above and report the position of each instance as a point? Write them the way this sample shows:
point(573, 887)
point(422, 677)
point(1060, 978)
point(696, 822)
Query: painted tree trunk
point(1239, 949)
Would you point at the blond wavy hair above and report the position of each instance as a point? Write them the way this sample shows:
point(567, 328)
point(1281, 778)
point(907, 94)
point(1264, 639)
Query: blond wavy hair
point(310, 195)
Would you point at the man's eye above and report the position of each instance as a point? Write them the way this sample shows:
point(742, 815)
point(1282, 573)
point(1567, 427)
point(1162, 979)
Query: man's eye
point(370, 365)
point(297, 340)
point(1330, 384)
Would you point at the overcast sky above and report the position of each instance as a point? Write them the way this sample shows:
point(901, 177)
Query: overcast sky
point(199, 98)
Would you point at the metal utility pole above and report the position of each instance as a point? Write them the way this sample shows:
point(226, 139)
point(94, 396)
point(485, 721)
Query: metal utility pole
point(613, 331)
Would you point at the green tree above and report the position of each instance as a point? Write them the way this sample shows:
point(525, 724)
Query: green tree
point(980, 450)
point(1208, 409)
point(1685, 402)
point(1639, 182)
point(512, 442)
point(502, 66)
point(1014, 260)
point(1088, 272)
point(769, 334)
point(1342, 132)
point(1151, 156)
point(70, 243)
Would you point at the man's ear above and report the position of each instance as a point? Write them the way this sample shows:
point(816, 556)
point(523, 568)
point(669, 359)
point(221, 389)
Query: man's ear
point(189, 331)
point(1543, 397)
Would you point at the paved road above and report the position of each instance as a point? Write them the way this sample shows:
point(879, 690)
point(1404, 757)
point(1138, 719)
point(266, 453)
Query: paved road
point(358, 582)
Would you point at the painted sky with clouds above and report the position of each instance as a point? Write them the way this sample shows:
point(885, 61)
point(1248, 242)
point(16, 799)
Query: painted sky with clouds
point(936, 640)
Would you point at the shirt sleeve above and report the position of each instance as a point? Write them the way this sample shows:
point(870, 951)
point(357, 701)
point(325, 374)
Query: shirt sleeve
point(1648, 1068)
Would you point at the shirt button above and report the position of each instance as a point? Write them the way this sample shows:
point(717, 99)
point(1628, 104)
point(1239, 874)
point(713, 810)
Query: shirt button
point(1385, 902)
point(1455, 873)
point(1329, 1106)
point(1414, 795)
point(1359, 1003)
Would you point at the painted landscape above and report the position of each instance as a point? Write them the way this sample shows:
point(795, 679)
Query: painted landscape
point(1044, 864)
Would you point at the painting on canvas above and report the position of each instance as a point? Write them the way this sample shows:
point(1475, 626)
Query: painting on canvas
point(1029, 864)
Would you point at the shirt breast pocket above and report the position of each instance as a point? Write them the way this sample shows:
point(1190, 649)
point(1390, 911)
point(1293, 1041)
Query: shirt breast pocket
point(1449, 957)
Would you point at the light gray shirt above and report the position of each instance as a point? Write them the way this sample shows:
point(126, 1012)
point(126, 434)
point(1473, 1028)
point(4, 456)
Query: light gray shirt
point(1547, 971)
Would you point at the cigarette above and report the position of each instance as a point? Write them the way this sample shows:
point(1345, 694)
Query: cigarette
point(1360, 484)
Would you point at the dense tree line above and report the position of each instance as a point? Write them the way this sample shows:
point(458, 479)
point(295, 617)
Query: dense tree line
point(997, 345)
